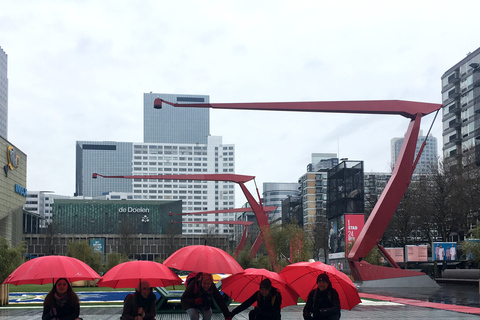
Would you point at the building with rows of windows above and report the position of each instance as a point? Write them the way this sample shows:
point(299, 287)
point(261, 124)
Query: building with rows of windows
point(461, 107)
point(191, 150)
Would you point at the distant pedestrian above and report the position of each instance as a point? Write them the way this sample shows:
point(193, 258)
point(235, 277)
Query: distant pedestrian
point(61, 303)
point(323, 302)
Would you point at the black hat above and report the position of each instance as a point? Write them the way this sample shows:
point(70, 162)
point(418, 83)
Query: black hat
point(266, 284)
point(324, 277)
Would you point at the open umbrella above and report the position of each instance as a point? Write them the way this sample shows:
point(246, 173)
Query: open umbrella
point(242, 285)
point(302, 276)
point(201, 258)
point(129, 274)
point(49, 269)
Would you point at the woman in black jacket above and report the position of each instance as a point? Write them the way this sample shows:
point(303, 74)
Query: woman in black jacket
point(141, 304)
point(323, 302)
point(61, 303)
point(269, 302)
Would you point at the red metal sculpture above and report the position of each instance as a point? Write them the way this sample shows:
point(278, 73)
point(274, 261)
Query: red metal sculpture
point(395, 189)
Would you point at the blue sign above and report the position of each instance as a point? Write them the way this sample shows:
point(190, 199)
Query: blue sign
point(21, 190)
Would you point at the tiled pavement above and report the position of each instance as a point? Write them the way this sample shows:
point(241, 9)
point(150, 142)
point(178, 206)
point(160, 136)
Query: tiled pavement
point(366, 310)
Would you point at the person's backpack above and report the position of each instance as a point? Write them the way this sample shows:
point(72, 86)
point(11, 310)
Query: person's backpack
point(191, 276)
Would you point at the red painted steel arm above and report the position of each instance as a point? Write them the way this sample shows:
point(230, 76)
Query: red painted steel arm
point(408, 109)
point(262, 220)
point(241, 243)
point(384, 209)
point(244, 223)
point(240, 179)
point(237, 178)
point(248, 209)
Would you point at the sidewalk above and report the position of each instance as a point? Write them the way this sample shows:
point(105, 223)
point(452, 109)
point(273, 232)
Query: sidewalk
point(366, 310)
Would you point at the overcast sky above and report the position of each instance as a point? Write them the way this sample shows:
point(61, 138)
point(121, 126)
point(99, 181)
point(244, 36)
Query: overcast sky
point(77, 70)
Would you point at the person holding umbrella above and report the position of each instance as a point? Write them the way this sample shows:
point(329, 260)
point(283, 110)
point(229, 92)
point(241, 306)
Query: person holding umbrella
point(141, 304)
point(61, 303)
point(323, 303)
point(198, 297)
point(268, 299)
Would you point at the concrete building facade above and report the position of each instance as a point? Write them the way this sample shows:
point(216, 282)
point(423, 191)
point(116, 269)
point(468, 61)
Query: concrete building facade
point(13, 191)
point(461, 108)
point(3, 95)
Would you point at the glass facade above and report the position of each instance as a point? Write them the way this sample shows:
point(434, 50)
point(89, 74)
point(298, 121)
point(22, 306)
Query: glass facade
point(345, 189)
point(274, 193)
point(175, 124)
point(115, 217)
point(106, 158)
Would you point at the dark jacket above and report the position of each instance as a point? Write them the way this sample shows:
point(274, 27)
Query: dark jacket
point(322, 304)
point(194, 291)
point(69, 311)
point(134, 301)
point(268, 307)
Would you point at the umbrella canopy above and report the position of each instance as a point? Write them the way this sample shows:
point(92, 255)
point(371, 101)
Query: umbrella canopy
point(242, 285)
point(203, 259)
point(302, 276)
point(49, 269)
point(129, 274)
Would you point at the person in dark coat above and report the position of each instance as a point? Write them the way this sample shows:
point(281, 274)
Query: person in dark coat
point(140, 305)
point(323, 302)
point(61, 303)
point(199, 295)
point(269, 302)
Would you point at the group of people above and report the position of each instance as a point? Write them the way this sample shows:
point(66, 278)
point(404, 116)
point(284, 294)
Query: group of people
point(323, 302)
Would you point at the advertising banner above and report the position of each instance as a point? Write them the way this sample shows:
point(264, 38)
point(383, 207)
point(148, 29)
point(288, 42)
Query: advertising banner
point(342, 230)
point(417, 253)
point(336, 237)
point(444, 251)
point(98, 245)
point(354, 224)
point(396, 254)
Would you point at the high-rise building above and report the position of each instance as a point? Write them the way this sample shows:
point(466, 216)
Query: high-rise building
point(3, 95)
point(313, 189)
point(175, 124)
point(429, 155)
point(203, 154)
point(461, 108)
point(273, 195)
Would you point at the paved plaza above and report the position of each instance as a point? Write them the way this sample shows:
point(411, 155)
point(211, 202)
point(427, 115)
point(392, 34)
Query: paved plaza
point(366, 310)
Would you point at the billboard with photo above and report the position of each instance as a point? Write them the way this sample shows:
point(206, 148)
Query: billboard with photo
point(341, 231)
point(444, 251)
point(336, 237)
point(416, 253)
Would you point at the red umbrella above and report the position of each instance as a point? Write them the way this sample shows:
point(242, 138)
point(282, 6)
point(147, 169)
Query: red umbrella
point(302, 276)
point(129, 274)
point(49, 269)
point(203, 259)
point(242, 285)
